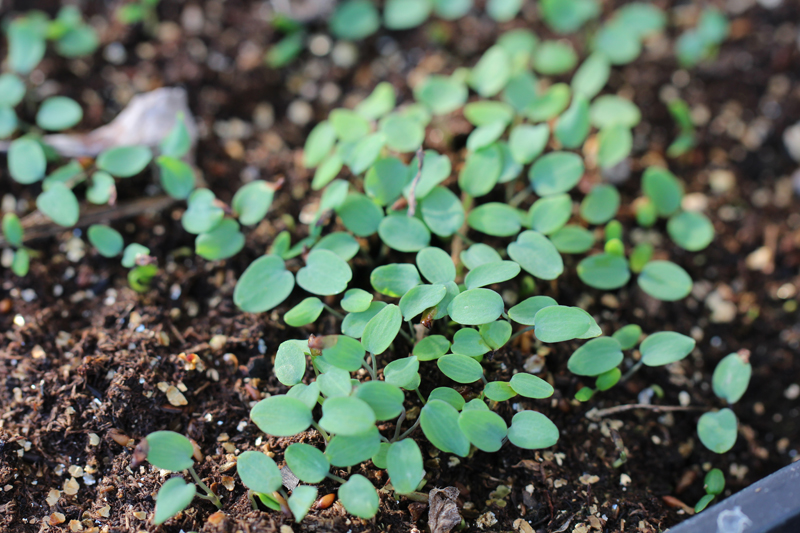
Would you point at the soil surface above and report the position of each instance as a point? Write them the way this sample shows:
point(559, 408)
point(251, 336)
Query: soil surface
point(85, 361)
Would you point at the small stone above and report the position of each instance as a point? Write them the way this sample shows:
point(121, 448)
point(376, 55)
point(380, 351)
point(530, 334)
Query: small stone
point(38, 352)
point(94, 439)
point(141, 515)
point(695, 201)
point(56, 519)
point(487, 519)
point(75, 471)
point(344, 54)
point(791, 139)
point(721, 181)
point(320, 45)
point(264, 116)
point(722, 311)
point(216, 518)
point(218, 342)
point(760, 259)
point(299, 112)
point(71, 487)
point(74, 525)
point(624, 480)
point(227, 482)
point(162, 386)
point(53, 496)
point(792, 392)
point(534, 364)
point(104, 512)
point(558, 483)
point(176, 397)
point(586, 479)
point(286, 529)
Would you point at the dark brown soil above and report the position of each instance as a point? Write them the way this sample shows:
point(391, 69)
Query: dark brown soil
point(84, 359)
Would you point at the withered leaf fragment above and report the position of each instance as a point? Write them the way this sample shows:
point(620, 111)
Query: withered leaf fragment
point(443, 515)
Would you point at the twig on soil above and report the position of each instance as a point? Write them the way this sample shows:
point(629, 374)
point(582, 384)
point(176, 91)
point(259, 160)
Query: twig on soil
point(412, 198)
point(597, 414)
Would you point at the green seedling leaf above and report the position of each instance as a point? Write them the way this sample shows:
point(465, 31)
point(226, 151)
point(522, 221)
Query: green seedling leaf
point(503, 10)
point(481, 171)
point(346, 415)
point(441, 94)
point(594, 330)
point(547, 215)
point(259, 472)
point(554, 57)
point(663, 189)
point(107, 240)
point(691, 231)
point(442, 211)
point(342, 352)
point(356, 300)
point(559, 323)
point(731, 377)
point(79, 40)
point(495, 334)
point(485, 135)
point(26, 161)
point(484, 429)
point(308, 394)
point(58, 113)
point(573, 126)
point(431, 348)
point(536, 255)
point(169, 451)
point(611, 110)
point(178, 142)
point(591, 76)
point(404, 463)
point(641, 18)
point(614, 145)
point(99, 191)
point(349, 451)
point(448, 395)
point(617, 43)
point(281, 415)
point(404, 233)
point(330, 167)
point(435, 169)
point(496, 219)
point(224, 241)
point(12, 230)
point(334, 382)
point(451, 9)
point(333, 196)
point(519, 44)
point(380, 102)
point(12, 90)
point(251, 202)
point(567, 16)
point(525, 311)
point(714, 482)
point(8, 122)
point(354, 323)
point(359, 497)
point(665, 281)
point(385, 399)
point(405, 14)
point(264, 285)
point(290, 362)
point(301, 500)
point(646, 212)
point(596, 357)
point(354, 20)
point(203, 215)
point(379, 459)
point(360, 215)
point(717, 430)
point(439, 422)
point(550, 104)
point(572, 239)
point(460, 368)
point(131, 253)
point(469, 342)
point(532, 430)
point(479, 254)
point(348, 125)
point(325, 273)
point(124, 161)
point(59, 204)
point(628, 336)
point(499, 391)
point(436, 265)
point(306, 462)
point(491, 273)
point(487, 112)
point(606, 380)
point(174, 496)
point(531, 386)
point(604, 271)
point(556, 173)
point(600, 205)
point(665, 347)
point(420, 298)
point(177, 177)
point(403, 373)
point(703, 502)
point(490, 74)
point(527, 142)
point(585, 394)
point(403, 133)
point(382, 329)
point(342, 244)
point(476, 306)
point(319, 144)
point(304, 313)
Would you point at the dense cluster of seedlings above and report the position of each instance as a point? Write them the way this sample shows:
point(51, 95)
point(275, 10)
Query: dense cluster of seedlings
point(468, 257)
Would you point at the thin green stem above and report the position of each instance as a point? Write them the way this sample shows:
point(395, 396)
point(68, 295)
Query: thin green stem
point(410, 430)
point(210, 496)
point(252, 498)
point(335, 478)
point(370, 370)
point(485, 381)
point(420, 396)
point(399, 425)
point(519, 197)
point(520, 332)
point(333, 311)
point(321, 432)
point(465, 238)
point(374, 361)
point(635, 368)
point(407, 336)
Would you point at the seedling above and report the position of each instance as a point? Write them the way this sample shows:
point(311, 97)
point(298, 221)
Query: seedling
point(713, 484)
point(172, 451)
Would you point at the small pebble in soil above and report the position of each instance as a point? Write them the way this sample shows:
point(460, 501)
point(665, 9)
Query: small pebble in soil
point(299, 112)
point(320, 45)
point(792, 392)
point(53, 496)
